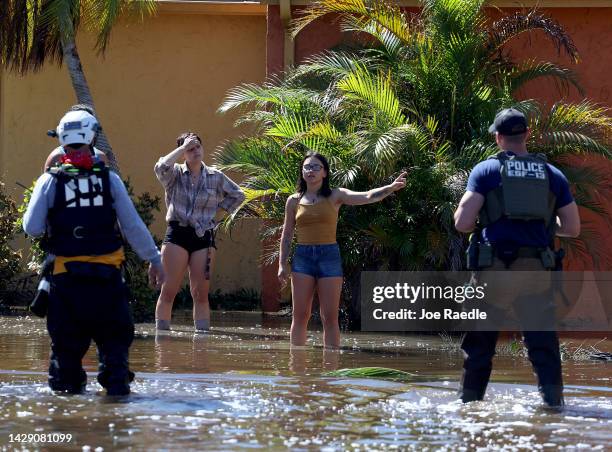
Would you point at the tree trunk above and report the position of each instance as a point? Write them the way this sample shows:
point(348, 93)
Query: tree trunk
point(83, 94)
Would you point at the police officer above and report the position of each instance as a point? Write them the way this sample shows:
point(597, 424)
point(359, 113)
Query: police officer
point(521, 202)
point(81, 205)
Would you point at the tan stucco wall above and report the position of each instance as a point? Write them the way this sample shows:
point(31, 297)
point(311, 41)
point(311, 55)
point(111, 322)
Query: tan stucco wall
point(157, 79)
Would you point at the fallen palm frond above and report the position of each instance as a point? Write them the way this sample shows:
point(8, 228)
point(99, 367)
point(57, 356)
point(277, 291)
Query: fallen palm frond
point(382, 373)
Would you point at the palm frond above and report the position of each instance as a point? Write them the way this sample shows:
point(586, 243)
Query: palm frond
point(289, 127)
point(32, 31)
point(391, 45)
point(334, 64)
point(61, 15)
point(25, 42)
point(372, 372)
point(592, 185)
point(530, 107)
point(530, 70)
point(586, 177)
point(261, 118)
point(581, 128)
point(380, 151)
point(508, 27)
point(263, 96)
point(453, 17)
point(586, 248)
point(102, 15)
point(386, 14)
point(376, 90)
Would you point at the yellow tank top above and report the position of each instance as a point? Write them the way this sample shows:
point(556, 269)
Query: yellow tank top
point(316, 223)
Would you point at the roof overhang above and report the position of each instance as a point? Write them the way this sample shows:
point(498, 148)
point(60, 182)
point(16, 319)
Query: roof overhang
point(498, 3)
point(222, 8)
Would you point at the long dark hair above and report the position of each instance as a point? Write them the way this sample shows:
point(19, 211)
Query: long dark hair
point(325, 189)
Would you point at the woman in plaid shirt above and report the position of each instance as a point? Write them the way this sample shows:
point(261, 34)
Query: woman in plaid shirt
point(195, 193)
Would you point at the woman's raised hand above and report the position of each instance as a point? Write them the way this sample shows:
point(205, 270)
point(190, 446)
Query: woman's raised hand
point(190, 142)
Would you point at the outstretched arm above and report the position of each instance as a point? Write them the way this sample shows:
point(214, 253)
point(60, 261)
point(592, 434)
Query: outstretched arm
point(358, 198)
point(286, 238)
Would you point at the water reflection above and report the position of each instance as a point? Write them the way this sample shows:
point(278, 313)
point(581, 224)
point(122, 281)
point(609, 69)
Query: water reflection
point(229, 391)
point(302, 359)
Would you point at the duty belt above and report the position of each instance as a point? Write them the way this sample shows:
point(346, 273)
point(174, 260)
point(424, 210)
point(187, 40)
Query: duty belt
point(544, 254)
point(525, 251)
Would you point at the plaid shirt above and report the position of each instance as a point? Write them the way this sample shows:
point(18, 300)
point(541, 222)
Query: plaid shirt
point(196, 204)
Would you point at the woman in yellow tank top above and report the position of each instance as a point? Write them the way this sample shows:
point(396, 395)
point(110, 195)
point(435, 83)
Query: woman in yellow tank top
point(316, 264)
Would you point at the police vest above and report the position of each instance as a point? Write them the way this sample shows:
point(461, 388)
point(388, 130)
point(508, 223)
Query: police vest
point(524, 193)
point(83, 221)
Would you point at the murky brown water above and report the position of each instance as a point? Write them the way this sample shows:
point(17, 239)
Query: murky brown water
point(234, 389)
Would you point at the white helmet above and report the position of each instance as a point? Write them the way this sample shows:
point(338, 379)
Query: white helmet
point(77, 127)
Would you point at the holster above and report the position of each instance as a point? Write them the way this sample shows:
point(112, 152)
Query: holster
point(479, 255)
point(548, 258)
point(559, 256)
point(40, 303)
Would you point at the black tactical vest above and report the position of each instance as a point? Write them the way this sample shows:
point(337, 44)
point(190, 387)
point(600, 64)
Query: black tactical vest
point(83, 221)
point(524, 193)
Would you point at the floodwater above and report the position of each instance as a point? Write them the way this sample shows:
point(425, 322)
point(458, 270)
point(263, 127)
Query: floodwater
point(243, 388)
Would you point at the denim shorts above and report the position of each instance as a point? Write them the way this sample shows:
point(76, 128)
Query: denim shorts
point(318, 261)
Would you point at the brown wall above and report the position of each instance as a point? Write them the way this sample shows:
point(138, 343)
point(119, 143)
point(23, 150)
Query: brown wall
point(591, 31)
point(157, 79)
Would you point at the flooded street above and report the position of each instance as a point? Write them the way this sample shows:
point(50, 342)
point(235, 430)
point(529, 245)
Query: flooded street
point(243, 388)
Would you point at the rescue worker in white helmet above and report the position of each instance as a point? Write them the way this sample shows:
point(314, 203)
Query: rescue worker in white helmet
point(521, 202)
point(81, 205)
point(55, 156)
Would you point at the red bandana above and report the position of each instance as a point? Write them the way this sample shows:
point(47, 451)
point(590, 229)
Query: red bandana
point(80, 158)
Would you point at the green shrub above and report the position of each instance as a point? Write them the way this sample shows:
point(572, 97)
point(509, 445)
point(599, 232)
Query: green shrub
point(142, 295)
point(239, 300)
point(9, 258)
point(36, 255)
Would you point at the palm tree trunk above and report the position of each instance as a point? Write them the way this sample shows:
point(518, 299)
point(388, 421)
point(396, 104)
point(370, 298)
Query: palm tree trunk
point(83, 94)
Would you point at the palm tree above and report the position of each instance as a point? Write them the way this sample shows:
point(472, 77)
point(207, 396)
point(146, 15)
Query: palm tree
point(415, 92)
point(35, 31)
point(420, 94)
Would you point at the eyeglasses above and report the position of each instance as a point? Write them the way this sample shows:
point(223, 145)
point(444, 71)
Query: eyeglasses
point(313, 167)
